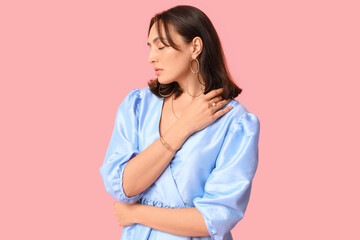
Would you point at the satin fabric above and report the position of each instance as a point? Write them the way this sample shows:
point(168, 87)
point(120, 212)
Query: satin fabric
point(212, 171)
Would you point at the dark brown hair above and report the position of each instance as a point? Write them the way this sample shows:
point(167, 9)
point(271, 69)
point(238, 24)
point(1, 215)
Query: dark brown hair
point(190, 22)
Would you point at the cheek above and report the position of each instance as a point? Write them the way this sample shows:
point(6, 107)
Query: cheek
point(178, 62)
point(172, 57)
point(175, 64)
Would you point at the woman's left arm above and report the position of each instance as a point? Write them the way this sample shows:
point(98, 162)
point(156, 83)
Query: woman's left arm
point(187, 222)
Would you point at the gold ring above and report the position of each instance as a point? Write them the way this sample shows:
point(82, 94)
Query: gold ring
point(214, 103)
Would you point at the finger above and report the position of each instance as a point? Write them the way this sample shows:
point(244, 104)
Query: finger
point(213, 93)
point(220, 104)
point(222, 111)
point(216, 99)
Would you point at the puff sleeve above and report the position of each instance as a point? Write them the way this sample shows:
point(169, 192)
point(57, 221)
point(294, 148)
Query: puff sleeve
point(122, 148)
point(227, 189)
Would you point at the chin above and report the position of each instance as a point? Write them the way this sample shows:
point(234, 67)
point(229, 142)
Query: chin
point(166, 81)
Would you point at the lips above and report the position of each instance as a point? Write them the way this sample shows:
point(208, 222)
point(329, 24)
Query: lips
point(158, 71)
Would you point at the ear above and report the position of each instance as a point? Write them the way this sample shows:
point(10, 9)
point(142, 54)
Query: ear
point(196, 46)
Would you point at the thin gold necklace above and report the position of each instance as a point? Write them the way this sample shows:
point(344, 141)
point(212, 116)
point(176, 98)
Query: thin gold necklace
point(172, 99)
point(172, 106)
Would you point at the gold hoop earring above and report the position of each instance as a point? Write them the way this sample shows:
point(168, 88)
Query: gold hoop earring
point(199, 75)
point(198, 68)
point(187, 88)
point(164, 95)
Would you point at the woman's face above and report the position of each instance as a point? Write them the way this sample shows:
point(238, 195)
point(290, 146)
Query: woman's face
point(175, 64)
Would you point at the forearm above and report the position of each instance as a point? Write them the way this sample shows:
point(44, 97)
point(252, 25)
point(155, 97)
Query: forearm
point(187, 222)
point(143, 170)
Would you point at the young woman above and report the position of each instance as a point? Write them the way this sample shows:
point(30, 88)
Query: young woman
point(183, 152)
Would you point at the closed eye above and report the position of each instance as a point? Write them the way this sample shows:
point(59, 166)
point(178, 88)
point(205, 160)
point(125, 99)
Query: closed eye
point(161, 48)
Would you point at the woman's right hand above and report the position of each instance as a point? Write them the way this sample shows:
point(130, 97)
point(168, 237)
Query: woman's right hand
point(200, 113)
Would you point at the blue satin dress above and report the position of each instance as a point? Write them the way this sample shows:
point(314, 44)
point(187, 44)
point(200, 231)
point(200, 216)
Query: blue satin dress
point(212, 171)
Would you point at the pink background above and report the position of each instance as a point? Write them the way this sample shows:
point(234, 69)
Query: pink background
point(65, 66)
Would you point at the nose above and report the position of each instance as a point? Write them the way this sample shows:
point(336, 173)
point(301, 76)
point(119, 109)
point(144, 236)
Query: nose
point(152, 56)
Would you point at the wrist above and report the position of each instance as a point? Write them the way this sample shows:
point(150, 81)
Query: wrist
point(137, 213)
point(184, 129)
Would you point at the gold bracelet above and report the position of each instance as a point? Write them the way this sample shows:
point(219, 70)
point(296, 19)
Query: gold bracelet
point(166, 145)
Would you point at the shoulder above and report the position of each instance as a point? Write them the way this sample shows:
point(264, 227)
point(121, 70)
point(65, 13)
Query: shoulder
point(132, 98)
point(139, 98)
point(240, 118)
point(142, 93)
point(139, 94)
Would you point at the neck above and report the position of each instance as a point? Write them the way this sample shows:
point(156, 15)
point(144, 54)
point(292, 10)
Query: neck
point(193, 86)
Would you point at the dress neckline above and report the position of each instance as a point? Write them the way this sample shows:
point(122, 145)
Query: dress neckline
point(161, 102)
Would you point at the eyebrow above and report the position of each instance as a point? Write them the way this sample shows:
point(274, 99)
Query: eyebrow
point(155, 39)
